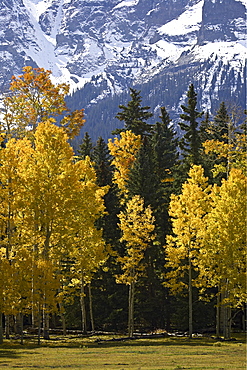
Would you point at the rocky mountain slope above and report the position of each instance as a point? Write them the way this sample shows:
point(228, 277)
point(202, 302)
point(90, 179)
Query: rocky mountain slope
point(101, 48)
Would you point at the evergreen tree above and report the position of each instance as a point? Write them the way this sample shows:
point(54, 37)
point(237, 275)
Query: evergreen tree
point(220, 125)
point(85, 147)
point(104, 171)
point(144, 181)
point(134, 115)
point(220, 132)
point(205, 128)
point(102, 162)
point(190, 143)
point(107, 297)
point(205, 132)
point(164, 144)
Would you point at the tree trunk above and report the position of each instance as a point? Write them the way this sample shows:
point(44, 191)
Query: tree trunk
point(62, 318)
point(91, 306)
point(1, 327)
point(39, 326)
point(218, 315)
point(7, 325)
point(244, 326)
point(227, 322)
point(131, 310)
point(226, 314)
point(45, 324)
point(83, 307)
point(21, 318)
point(190, 300)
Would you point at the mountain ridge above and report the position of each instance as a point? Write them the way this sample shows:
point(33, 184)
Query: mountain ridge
point(105, 47)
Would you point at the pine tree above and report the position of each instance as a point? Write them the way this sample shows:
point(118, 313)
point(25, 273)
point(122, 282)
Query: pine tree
point(190, 143)
point(102, 162)
point(143, 179)
point(164, 143)
point(85, 147)
point(205, 128)
point(134, 115)
point(220, 125)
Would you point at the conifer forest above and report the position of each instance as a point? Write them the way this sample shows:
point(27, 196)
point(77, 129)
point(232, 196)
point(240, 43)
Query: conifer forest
point(144, 232)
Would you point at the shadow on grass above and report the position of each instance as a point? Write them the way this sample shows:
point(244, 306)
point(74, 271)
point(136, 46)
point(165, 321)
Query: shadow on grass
point(118, 341)
point(8, 354)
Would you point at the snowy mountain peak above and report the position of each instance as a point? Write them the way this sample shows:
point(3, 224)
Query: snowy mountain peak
point(118, 43)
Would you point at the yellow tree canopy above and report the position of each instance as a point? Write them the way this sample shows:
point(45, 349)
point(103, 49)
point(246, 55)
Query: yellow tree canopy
point(223, 259)
point(137, 226)
point(124, 151)
point(187, 212)
point(32, 99)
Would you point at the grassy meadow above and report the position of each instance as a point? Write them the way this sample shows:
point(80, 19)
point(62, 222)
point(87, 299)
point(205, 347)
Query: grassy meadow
point(96, 353)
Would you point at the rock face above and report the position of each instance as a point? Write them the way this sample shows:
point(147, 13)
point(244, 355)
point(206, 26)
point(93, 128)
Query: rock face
point(101, 48)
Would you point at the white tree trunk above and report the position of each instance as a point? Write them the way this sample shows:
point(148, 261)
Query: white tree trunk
point(83, 307)
point(91, 306)
point(190, 300)
point(131, 309)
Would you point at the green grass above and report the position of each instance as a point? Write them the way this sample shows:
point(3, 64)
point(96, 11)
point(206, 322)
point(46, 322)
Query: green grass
point(142, 354)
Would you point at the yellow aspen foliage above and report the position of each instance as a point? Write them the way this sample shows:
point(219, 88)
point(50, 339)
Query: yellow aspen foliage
point(46, 284)
point(223, 257)
point(10, 159)
point(187, 212)
point(123, 151)
point(89, 254)
point(33, 98)
point(234, 151)
point(137, 226)
point(89, 250)
point(20, 300)
point(7, 290)
point(49, 179)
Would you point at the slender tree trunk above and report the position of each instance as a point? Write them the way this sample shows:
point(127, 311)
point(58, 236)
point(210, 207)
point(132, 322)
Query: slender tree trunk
point(91, 306)
point(39, 325)
point(218, 315)
point(131, 309)
point(21, 317)
point(83, 307)
point(227, 322)
point(7, 325)
point(62, 318)
point(226, 314)
point(190, 300)
point(244, 327)
point(1, 327)
point(18, 323)
point(45, 323)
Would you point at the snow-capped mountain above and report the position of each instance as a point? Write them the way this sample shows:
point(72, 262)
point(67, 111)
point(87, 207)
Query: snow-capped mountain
point(103, 47)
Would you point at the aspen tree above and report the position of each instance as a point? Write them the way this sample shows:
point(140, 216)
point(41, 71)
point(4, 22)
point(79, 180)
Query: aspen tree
point(10, 158)
point(187, 212)
point(137, 226)
point(32, 99)
point(223, 258)
point(89, 250)
point(51, 188)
